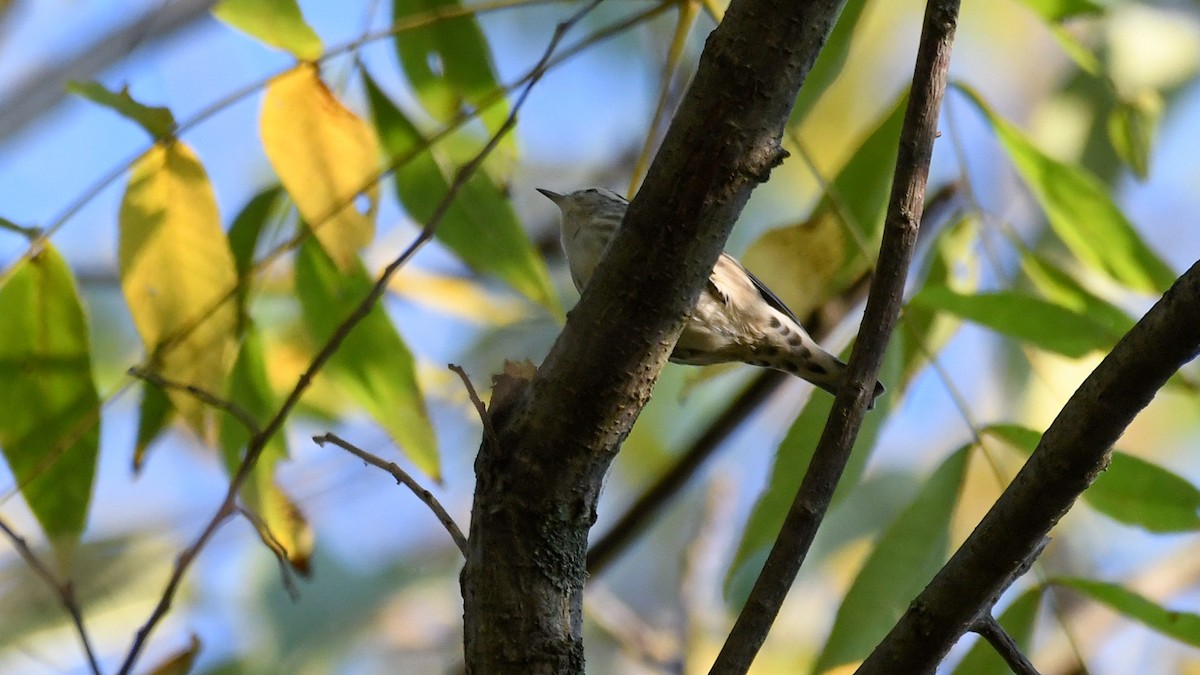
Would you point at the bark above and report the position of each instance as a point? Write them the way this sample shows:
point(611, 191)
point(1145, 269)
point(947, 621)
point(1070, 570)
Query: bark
point(537, 487)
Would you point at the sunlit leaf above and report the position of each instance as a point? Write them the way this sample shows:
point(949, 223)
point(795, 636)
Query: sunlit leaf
point(157, 121)
point(278, 23)
point(479, 225)
point(1182, 626)
point(1131, 127)
point(50, 428)
point(1081, 210)
point(1061, 10)
point(1018, 621)
point(448, 62)
point(1024, 317)
point(1062, 289)
point(1131, 490)
point(326, 157)
point(465, 299)
point(251, 392)
point(373, 364)
point(829, 62)
point(909, 552)
point(809, 262)
point(177, 273)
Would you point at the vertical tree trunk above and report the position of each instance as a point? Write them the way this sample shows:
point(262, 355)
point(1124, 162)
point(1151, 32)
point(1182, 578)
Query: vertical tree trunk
point(536, 490)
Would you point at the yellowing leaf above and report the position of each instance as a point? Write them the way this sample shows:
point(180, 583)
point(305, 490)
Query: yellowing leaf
point(282, 525)
point(326, 157)
point(457, 296)
point(809, 262)
point(50, 427)
point(278, 23)
point(177, 273)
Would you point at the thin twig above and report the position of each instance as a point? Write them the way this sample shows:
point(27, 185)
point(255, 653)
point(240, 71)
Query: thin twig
point(489, 431)
point(203, 395)
point(404, 479)
point(64, 591)
point(259, 441)
point(277, 548)
point(883, 308)
point(1004, 644)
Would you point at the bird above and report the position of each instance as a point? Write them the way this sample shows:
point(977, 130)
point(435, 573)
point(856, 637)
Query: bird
point(736, 318)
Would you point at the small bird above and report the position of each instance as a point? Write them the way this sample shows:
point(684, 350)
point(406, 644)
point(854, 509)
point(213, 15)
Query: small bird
point(737, 318)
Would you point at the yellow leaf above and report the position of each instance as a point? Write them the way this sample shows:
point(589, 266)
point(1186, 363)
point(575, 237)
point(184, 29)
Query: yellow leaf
point(457, 296)
point(803, 261)
point(177, 273)
point(326, 157)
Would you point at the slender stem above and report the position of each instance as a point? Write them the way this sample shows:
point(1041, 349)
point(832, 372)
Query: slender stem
point(64, 591)
point(1004, 644)
point(403, 478)
point(883, 308)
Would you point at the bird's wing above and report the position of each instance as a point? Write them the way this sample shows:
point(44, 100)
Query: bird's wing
point(767, 294)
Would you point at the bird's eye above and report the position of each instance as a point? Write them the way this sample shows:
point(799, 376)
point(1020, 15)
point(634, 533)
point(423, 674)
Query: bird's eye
point(590, 191)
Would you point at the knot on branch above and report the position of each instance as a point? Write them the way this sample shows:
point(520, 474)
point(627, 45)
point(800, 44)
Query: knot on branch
point(761, 157)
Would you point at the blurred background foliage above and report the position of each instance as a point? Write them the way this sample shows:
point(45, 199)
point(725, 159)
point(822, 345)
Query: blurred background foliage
point(179, 195)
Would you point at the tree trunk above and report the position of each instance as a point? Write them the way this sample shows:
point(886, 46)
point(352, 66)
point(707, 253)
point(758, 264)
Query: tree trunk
point(536, 490)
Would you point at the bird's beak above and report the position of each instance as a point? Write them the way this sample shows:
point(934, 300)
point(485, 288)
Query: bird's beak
point(552, 196)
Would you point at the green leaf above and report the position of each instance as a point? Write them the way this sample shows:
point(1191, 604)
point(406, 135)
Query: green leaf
point(50, 429)
point(791, 462)
point(1024, 317)
point(1018, 621)
point(278, 23)
point(1182, 626)
point(154, 416)
point(909, 552)
point(829, 62)
point(448, 62)
point(1131, 491)
point(479, 226)
point(244, 234)
point(951, 264)
point(1081, 210)
point(157, 121)
point(1131, 127)
point(373, 365)
point(1061, 10)
point(1136, 492)
point(250, 390)
point(1062, 289)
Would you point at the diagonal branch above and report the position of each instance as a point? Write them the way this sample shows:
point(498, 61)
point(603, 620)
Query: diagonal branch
point(1071, 454)
point(404, 479)
point(883, 308)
